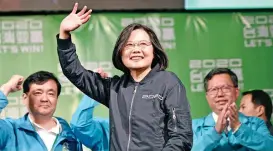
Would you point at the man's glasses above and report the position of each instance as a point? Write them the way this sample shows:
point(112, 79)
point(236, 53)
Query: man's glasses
point(225, 89)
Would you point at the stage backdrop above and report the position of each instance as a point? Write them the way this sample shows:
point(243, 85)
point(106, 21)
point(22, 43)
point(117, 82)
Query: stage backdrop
point(195, 43)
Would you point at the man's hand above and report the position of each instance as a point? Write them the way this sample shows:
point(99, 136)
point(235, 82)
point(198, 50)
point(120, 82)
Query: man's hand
point(221, 123)
point(234, 117)
point(13, 85)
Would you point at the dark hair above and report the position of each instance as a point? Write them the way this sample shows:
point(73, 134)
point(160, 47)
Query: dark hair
point(160, 56)
point(217, 71)
point(40, 77)
point(259, 97)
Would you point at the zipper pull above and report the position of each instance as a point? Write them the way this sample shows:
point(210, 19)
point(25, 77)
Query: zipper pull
point(174, 120)
point(135, 90)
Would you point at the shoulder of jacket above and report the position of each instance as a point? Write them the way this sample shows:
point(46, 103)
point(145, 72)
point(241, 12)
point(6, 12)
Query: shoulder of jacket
point(171, 78)
point(198, 122)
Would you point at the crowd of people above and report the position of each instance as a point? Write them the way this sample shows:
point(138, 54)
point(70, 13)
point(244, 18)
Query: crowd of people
point(149, 109)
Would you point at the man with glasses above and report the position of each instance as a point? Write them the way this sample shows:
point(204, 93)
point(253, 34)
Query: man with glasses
point(225, 128)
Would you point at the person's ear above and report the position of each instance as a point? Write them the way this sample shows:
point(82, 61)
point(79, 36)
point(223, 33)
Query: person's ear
point(24, 98)
point(260, 110)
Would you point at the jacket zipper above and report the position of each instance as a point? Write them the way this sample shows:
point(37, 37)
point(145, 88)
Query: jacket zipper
point(174, 120)
point(130, 113)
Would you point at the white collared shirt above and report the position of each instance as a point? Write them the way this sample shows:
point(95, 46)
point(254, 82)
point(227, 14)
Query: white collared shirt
point(48, 136)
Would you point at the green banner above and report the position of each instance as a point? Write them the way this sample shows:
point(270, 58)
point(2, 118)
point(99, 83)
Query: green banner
point(195, 43)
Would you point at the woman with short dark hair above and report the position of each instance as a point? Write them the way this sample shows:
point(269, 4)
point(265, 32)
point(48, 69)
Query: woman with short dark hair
point(148, 106)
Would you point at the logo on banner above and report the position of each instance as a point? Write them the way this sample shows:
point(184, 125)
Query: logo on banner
point(162, 26)
point(200, 68)
point(21, 36)
point(258, 31)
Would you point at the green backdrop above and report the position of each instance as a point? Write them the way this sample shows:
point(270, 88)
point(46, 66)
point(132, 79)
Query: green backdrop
point(195, 43)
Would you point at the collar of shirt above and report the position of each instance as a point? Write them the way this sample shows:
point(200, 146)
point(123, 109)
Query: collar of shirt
point(56, 130)
point(215, 117)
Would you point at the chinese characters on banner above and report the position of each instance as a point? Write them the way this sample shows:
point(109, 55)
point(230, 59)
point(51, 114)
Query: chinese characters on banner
point(258, 31)
point(200, 68)
point(21, 36)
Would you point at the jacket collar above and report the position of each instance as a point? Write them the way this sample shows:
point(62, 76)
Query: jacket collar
point(66, 130)
point(209, 121)
point(270, 127)
point(146, 79)
point(243, 119)
point(25, 124)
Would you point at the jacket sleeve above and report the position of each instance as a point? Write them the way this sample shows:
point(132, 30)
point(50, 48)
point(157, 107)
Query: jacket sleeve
point(179, 124)
point(3, 101)
point(258, 140)
point(87, 128)
point(90, 83)
point(5, 126)
point(204, 140)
